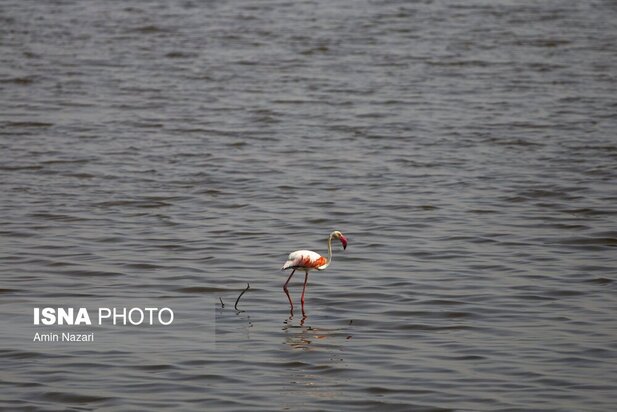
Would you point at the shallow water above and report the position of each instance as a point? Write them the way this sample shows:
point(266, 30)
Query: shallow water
point(171, 152)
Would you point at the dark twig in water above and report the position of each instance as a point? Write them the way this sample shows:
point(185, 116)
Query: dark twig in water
point(248, 286)
point(222, 304)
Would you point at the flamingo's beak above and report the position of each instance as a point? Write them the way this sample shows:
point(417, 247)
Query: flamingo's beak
point(343, 240)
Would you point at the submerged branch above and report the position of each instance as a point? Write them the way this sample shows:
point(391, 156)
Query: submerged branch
point(248, 286)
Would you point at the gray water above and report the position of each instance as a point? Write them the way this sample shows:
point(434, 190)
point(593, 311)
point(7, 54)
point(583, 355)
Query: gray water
point(169, 152)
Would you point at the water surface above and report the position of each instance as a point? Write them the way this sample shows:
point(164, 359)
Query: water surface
point(171, 152)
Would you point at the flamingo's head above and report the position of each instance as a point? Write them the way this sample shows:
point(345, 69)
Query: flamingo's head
point(341, 237)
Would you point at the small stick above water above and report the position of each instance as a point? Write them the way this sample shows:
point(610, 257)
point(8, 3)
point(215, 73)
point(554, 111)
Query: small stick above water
point(248, 286)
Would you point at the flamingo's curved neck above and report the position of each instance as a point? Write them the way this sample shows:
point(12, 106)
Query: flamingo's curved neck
point(329, 251)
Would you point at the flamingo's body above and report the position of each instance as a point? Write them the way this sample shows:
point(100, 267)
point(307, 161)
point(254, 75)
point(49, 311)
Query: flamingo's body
point(308, 260)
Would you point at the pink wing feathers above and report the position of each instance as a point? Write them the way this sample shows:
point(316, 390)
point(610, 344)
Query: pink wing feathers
point(306, 259)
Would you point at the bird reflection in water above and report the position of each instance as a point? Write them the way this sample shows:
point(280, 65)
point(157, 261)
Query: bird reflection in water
point(312, 375)
point(305, 337)
point(300, 336)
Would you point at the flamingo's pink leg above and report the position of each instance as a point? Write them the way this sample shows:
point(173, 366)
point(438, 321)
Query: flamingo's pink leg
point(287, 291)
point(303, 289)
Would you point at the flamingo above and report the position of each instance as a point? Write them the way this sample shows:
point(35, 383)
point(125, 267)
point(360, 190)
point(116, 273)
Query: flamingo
point(307, 260)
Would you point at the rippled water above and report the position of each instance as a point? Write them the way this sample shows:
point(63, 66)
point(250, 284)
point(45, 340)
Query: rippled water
point(171, 152)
